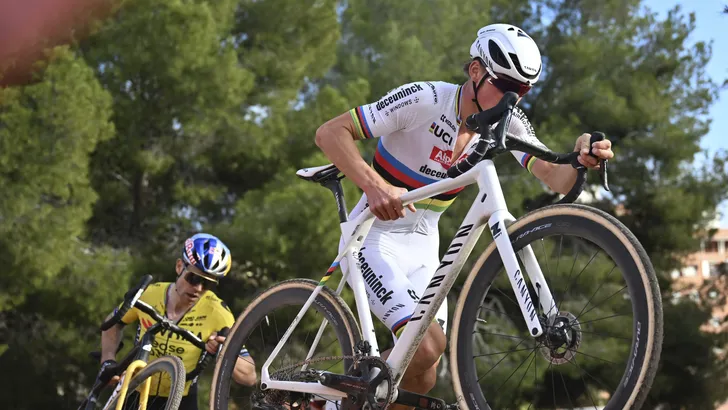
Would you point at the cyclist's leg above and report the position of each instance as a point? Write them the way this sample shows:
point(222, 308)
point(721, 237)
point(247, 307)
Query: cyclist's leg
point(386, 259)
point(422, 380)
point(386, 283)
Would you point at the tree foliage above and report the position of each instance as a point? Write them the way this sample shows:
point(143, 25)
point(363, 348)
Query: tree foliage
point(179, 116)
point(47, 131)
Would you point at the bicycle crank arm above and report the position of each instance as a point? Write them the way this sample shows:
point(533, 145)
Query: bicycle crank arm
point(420, 401)
point(348, 384)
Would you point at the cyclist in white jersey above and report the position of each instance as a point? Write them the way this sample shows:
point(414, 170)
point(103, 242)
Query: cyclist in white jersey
point(420, 137)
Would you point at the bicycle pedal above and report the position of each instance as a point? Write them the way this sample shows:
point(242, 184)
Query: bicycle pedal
point(420, 401)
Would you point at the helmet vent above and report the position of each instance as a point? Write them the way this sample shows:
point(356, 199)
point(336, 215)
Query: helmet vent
point(520, 70)
point(497, 55)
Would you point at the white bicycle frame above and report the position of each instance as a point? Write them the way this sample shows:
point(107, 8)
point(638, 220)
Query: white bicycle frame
point(489, 207)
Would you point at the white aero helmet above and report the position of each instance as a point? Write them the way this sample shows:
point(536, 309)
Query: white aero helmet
point(508, 51)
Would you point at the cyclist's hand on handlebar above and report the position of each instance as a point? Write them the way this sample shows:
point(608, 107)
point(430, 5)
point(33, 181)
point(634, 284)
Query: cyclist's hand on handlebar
point(213, 342)
point(601, 149)
point(104, 377)
point(384, 202)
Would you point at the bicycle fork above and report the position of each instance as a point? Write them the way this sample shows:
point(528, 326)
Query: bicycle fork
point(497, 224)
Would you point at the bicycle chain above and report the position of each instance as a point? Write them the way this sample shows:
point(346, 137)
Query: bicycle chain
point(284, 370)
point(357, 359)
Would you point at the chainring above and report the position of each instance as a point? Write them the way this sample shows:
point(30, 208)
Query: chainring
point(383, 378)
point(361, 365)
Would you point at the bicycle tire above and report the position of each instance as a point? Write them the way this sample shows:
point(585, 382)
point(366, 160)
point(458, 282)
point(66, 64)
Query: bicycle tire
point(603, 230)
point(286, 293)
point(171, 365)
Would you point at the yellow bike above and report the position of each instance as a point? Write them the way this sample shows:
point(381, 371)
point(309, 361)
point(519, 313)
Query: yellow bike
point(135, 371)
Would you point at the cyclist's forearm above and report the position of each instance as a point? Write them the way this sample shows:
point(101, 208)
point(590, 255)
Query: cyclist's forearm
point(244, 371)
point(110, 342)
point(337, 143)
point(560, 178)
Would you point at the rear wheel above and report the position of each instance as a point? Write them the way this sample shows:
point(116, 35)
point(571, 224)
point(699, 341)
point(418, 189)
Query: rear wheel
point(603, 347)
point(261, 326)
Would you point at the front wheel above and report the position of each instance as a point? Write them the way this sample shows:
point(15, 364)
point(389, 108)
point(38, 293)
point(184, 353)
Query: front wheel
point(601, 347)
point(167, 385)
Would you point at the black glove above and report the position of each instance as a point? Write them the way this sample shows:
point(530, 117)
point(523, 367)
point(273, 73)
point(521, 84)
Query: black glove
point(107, 371)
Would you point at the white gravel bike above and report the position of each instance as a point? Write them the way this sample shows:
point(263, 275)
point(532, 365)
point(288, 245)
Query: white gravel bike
point(553, 344)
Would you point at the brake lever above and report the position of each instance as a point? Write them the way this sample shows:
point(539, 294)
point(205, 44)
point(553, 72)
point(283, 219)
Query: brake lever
point(599, 136)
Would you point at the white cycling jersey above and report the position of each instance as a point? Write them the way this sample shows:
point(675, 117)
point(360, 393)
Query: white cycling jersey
point(418, 125)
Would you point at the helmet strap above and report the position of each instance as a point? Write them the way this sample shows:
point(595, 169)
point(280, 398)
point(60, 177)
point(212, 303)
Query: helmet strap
point(475, 91)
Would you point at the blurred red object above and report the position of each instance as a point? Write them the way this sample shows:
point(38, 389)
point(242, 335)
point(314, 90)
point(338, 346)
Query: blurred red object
point(27, 27)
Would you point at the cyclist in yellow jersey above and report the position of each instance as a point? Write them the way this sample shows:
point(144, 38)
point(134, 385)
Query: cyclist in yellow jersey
point(190, 302)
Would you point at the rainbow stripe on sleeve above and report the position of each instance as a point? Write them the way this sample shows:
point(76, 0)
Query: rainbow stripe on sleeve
point(527, 161)
point(360, 122)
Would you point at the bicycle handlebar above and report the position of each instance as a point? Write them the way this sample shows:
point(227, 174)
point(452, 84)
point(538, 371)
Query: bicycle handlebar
point(481, 123)
point(131, 300)
point(497, 141)
point(167, 324)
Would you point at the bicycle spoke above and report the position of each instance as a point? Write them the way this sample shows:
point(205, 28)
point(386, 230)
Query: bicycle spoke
point(597, 320)
point(502, 335)
point(602, 301)
point(568, 280)
point(586, 388)
point(502, 313)
point(275, 325)
point(558, 257)
point(533, 360)
point(604, 385)
point(605, 335)
point(498, 362)
point(514, 372)
point(553, 382)
point(595, 292)
point(594, 357)
point(543, 247)
point(535, 377)
point(588, 263)
point(566, 390)
point(504, 351)
point(507, 297)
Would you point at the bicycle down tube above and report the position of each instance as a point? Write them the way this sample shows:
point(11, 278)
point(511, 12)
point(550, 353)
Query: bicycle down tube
point(489, 208)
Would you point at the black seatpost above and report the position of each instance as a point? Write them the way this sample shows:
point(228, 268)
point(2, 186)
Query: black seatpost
point(334, 185)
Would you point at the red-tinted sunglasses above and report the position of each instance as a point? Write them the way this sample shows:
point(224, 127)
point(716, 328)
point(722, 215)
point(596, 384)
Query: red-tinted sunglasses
point(505, 84)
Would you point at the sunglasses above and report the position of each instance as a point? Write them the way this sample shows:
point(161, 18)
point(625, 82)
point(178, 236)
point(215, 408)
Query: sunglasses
point(195, 279)
point(505, 84)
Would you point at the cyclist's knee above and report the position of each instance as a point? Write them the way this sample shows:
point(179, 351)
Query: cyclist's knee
point(432, 346)
point(429, 377)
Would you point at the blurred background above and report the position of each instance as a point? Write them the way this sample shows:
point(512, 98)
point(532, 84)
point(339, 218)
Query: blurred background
point(126, 126)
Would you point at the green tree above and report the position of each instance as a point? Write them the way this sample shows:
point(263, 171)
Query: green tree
point(203, 95)
point(47, 131)
point(57, 326)
point(54, 282)
point(173, 73)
